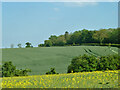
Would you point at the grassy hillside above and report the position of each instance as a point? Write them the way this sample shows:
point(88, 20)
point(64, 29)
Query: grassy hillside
point(40, 60)
point(96, 79)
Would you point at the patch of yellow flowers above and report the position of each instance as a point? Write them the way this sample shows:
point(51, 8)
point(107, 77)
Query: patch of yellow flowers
point(95, 79)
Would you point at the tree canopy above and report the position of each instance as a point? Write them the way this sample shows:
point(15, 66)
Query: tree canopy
point(84, 36)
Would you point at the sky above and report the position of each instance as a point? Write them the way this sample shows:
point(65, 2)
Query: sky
point(35, 22)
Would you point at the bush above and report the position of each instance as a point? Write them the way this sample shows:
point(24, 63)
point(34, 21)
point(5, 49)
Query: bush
point(52, 71)
point(110, 62)
point(91, 63)
point(9, 70)
point(48, 43)
point(83, 63)
point(41, 45)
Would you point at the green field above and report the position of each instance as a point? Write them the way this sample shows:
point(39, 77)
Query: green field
point(41, 59)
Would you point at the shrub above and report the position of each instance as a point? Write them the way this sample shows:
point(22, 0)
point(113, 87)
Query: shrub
point(110, 62)
point(9, 70)
point(48, 43)
point(52, 71)
point(83, 63)
point(91, 63)
point(22, 72)
point(41, 45)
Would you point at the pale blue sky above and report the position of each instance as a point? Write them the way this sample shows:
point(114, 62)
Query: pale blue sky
point(35, 22)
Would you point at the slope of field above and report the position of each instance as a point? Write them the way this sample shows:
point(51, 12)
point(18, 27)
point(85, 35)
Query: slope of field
point(96, 79)
point(40, 60)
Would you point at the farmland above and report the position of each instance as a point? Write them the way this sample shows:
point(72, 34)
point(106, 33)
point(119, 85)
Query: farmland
point(95, 79)
point(40, 60)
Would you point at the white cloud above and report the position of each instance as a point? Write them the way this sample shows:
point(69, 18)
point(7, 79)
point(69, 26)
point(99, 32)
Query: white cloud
point(56, 9)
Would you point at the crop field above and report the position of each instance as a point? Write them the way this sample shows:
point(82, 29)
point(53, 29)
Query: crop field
point(96, 79)
point(41, 59)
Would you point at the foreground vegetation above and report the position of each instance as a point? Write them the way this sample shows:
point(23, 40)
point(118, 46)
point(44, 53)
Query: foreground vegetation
point(9, 70)
point(40, 60)
point(95, 79)
point(88, 63)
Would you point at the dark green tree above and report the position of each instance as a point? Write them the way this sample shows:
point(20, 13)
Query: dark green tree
point(9, 70)
point(53, 39)
point(100, 35)
point(48, 43)
point(60, 40)
point(75, 37)
point(41, 45)
point(66, 35)
point(28, 45)
point(52, 71)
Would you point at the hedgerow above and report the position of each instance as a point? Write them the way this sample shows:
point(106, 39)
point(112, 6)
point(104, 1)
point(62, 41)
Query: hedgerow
point(91, 63)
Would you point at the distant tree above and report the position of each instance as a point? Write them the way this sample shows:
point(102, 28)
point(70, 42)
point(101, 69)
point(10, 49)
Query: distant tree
point(61, 40)
point(100, 35)
point(12, 45)
point(41, 45)
point(75, 37)
point(53, 39)
point(118, 38)
point(113, 36)
point(28, 44)
point(19, 45)
point(52, 71)
point(86, 36)
point(66, 35)
point(48, 43)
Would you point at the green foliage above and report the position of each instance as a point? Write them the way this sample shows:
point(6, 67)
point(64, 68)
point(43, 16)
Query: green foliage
point(22, 72)
point(73, 44)
point(28, 45)
point(9, 70)
point(61, 41)
point(83, 63)
point(41, 45)
point(52, 71)
point(91, 63)
point(110, 62)
point(48, 43)
point(101, 37)
point(53, 39)
point(66, 35)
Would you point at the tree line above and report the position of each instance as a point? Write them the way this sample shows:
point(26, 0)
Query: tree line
point(81, 37)
point(101, 36)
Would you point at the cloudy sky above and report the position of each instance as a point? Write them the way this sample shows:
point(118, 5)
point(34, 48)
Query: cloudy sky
point(36, 21)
